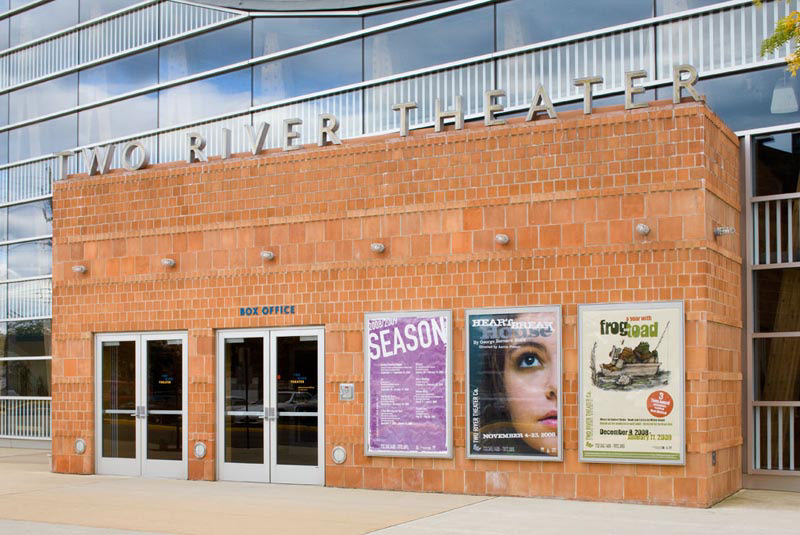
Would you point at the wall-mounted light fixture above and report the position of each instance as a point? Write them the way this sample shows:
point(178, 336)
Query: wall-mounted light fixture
point(642, 229)
point(80, 270)
point(80, 446)
point(267, 255)
point(200, 450)
point(339, 455)
point(168, 262)
point(724, 231)
point(377, 247)
point(501, 239)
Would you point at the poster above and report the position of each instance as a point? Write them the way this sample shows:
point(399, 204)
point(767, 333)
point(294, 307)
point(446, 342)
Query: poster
point(514, 383)
point(408, 371)
point(632, 383)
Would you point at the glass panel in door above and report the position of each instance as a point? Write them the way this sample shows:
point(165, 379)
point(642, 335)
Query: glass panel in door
point(165, 400)
point(297, 371)
point(244, 400)
point(118, 398)
point(297, 400)
point(241, 391)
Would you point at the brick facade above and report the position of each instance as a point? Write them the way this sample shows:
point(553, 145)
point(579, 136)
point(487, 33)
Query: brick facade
point(568, 192)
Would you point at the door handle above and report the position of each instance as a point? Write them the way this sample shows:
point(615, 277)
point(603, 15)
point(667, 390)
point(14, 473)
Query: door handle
point(141, 412)
point(271, 414)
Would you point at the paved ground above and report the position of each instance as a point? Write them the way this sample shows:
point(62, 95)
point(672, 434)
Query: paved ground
point(35, 501)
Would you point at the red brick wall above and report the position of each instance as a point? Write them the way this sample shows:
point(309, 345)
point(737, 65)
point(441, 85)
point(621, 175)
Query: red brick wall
point(568, 192)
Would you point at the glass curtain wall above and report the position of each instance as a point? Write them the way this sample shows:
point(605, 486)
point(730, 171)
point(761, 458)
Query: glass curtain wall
point(775, 279)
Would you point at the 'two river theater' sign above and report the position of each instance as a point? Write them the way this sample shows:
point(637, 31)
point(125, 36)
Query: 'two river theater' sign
point(135, 155)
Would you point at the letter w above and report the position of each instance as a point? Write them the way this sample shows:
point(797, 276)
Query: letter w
point(93, 158)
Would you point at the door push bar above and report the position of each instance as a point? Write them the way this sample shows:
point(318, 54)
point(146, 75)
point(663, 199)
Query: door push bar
point(269, 414)
point(141, 412)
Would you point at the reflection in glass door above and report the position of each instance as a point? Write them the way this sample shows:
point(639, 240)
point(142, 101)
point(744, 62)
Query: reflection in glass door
point(141, 405)
point(773, 320)
point(279, 440)
point(243, 360)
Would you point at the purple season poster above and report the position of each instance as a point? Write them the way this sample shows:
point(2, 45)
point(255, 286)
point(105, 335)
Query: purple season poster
point(407, 366)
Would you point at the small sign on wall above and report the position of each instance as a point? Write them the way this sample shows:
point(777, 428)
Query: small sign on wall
point(271, 310)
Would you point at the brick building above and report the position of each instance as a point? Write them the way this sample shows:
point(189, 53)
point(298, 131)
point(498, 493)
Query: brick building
point(203, 204)
point(568, 192)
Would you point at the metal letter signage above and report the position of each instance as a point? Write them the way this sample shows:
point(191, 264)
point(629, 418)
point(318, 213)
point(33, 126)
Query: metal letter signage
point(98, 159)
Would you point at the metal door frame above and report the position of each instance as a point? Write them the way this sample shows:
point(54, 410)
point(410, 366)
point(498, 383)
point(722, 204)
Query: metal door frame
point(271, 471)
point(140, 466)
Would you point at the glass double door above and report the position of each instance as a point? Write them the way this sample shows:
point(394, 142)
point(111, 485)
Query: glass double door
point(271, 406)
point(141, 401)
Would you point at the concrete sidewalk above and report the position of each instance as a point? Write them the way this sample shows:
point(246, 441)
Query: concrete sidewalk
point(35, 501)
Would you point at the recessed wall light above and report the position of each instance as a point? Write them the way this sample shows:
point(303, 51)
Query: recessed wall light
point(79, 269)
point(642, 229)
point(267, 255)
point(377, 247)
point(168, 262)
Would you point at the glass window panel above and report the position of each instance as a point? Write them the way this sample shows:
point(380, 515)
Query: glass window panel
point(43, 138)
point(383, 18)
point(28, 338)
point(221, 94)
point(25, 378)
point(665, 7)
point(777, 164)
point(91, 9)
point(297, 440)
point(281, 33)
point(522, 22)
point(119, 119)
point(244, 439)
point(750, 100)
point(429, 43)
point(4, 34)
point(777, 369)
point(297, 437)
point(3, 224)
point(3, 275)
point(3, 155)
point(118, 77)
point(4, 109)
point(30, 299)
point(30, 259)
point(164, 375)
point(776, 292)
point(165, 437)
point(320, 69)
point(119, 394)
point(204, 52)
point(30, 219)
point(244, 392)
point(43, 20)
point(44, 98)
